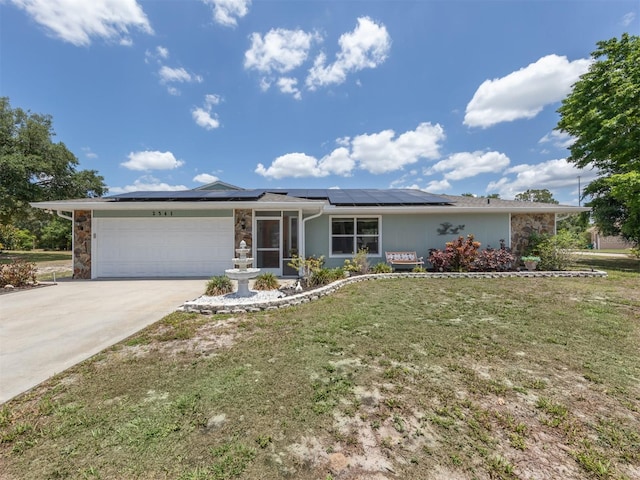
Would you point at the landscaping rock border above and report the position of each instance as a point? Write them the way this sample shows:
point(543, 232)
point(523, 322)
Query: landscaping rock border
point(311, 295)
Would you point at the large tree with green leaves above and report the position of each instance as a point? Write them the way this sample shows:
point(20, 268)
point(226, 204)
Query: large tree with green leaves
point(536, 195)
point(34, 168)
point(603, 114)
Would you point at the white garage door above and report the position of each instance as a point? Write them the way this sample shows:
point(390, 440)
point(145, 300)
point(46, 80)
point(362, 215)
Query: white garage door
point(162, 247)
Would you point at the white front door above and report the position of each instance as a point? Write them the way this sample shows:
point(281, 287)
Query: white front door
point(268, 251)
point(162, 247)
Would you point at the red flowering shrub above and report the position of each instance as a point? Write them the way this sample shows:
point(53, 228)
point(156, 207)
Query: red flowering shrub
point(463, 255)
point(495, 260)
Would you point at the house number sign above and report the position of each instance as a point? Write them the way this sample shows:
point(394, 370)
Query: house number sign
point(161, 213)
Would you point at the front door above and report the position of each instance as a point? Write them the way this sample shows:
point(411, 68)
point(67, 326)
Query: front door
point(268, 245)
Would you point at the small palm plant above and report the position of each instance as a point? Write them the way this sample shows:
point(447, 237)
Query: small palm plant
point(219, 285)
point(266, 281)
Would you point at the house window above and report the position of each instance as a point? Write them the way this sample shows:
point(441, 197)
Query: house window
point(350, 234)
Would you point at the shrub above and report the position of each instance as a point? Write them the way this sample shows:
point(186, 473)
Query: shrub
point(555, 251)
point(359, 264)
point(266, 281)
point(495, 260)
point(219, 285)
point(307, 265)
point(440, 260)
point(16, 239)
point(18, 273)
point(324, 276)
point(458, 255)
point(418, 269)
point(56, 235)
point(382, 268)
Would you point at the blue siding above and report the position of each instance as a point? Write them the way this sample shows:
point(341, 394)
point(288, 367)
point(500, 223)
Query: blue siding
point(415, 232)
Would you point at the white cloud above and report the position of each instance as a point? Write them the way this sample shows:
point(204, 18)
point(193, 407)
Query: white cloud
point(89, 153)
point(289, 85)
point(338, 162)
point(279, 51)
point(291, 165)
point(367, 46)
point(203, 115)
point(438, 186)
point(628, 19)
point(152, 160)
point(469, 164)
point(524, 93)
point(177, 75)
point(204, 119)
point(551, 175)
point(147, 183)
point(162, 52)
point(205, 178)
point(226, 12)
point(375, 153)
point(558, 139)
point(169, 76)
point(381, 153)
point(78, 22)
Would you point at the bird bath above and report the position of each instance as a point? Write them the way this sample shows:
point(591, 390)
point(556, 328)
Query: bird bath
point(242, 274)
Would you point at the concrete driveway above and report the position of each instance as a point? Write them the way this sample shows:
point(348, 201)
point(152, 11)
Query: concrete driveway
point(47, 330)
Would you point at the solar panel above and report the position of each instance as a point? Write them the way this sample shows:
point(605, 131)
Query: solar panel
point(338, 197)
point(185, 195)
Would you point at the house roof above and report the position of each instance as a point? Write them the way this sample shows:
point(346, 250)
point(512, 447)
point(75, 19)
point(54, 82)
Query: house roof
point(219, 195)
point(337, 197)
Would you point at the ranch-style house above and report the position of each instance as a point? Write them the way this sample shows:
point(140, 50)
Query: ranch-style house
point(193, 233)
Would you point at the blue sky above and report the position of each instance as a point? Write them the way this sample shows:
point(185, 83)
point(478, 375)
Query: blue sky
point(447, 96)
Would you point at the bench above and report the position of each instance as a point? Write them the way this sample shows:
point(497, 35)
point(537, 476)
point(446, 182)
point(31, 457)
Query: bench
point(403, 259)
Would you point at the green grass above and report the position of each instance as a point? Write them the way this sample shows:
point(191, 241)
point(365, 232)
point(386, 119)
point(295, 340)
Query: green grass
point(48, 261)
point(36, 256)
point(493, 378)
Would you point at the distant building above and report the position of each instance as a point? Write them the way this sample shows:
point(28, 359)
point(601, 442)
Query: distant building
point(603, 242)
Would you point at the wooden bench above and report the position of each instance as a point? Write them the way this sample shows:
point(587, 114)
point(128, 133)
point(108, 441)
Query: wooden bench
point(410, 259)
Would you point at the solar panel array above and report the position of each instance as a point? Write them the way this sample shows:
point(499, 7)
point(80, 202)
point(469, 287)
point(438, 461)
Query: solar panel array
point(338, 197)
point(189, 195)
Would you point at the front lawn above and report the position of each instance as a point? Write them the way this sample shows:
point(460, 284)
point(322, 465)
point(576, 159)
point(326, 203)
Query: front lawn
point(396, 378)
point(50, 264)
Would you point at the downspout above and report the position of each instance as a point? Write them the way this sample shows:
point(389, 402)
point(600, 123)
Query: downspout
point(62, 215)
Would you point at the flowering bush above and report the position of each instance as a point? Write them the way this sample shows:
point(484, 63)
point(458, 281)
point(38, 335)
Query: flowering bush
point(495, 260)
point(463, 255)
point(458, 255)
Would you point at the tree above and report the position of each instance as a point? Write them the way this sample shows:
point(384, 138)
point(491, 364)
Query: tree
point(492, 195)
point(33, 168)
point(603, 114)
point(536, 195)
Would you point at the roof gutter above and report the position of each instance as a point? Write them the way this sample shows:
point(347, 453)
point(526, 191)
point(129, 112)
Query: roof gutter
point(308, 206)
point(431, 209)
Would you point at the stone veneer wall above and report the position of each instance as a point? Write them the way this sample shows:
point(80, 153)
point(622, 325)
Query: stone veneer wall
point(524, 224)
point(82, 244)
point(241, 234)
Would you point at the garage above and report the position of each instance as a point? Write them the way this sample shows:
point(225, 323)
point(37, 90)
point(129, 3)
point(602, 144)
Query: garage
point(161, 247)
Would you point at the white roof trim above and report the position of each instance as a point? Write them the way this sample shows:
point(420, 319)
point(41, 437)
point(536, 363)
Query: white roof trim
point(68, 206)
point(306, 206)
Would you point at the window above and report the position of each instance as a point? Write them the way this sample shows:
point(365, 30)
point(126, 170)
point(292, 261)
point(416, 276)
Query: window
point(350, 234)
